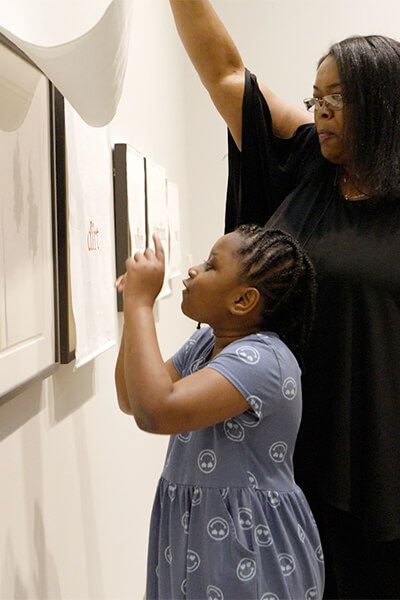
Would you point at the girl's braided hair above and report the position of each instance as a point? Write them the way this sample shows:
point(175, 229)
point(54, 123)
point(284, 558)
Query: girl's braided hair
point(275, 263)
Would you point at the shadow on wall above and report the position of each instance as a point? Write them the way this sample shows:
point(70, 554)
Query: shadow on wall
point(45, 578)
point(12, 584)
point(19, 410)
point(70, 390)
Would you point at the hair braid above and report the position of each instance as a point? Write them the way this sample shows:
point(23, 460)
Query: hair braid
point(278, 267)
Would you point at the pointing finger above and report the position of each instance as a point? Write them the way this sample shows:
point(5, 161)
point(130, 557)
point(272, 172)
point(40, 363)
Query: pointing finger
point(159, 250)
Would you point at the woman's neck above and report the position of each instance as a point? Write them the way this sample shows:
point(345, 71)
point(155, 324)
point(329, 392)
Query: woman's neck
point(350, 184)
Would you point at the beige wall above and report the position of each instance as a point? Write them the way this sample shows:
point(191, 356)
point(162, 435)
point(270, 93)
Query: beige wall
point(78, 477)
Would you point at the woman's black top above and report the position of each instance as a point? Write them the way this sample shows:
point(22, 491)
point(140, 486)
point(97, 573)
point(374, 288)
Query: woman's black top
point(348, 449)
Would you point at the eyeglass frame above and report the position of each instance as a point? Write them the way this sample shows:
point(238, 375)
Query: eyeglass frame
point(314, 103)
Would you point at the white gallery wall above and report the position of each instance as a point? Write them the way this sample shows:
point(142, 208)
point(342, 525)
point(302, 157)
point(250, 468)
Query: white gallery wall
point(78, 477)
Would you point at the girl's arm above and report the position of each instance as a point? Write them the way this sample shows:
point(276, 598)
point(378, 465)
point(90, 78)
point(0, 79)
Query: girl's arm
point(221, 69)
point(146, 386)
point(120, 384)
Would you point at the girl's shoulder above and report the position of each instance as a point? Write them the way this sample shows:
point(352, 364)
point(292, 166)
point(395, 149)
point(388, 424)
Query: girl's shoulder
point(265, 350)
point(267, 341)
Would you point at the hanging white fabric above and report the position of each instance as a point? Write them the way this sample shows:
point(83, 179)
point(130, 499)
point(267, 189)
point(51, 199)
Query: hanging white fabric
point(89, 71)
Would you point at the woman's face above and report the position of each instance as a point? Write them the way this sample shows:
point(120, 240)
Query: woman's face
point(329, 123)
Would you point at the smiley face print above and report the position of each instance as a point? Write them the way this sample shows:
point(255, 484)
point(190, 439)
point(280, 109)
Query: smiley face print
point(287, 564)
point(252, 480)
point(218, 529)
point(192, 561)
point(189, 345)
point(197, 495)
point(185, 437)
point(185, 521)
point(214, 593)
point(262, 534)
point(245, 518)
point(197, 364)
point(319, 555)
point(273, 498)
point(311, 594)
point(301, 533)
point(207, 461)
point(289, 388)
point(278, 451)
point(234, 430)
point(168, 554)
point(248, 354)
point(246, 569)
point(172, 491)
point(256, 404)
point(249, 419)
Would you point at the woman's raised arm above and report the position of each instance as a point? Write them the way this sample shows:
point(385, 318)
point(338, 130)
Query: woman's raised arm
point(221, 69)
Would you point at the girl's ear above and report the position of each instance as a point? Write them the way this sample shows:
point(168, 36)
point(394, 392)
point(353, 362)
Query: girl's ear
point(246, 300)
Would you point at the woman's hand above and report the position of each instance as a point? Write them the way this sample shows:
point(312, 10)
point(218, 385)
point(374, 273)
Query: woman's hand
point(144, 276)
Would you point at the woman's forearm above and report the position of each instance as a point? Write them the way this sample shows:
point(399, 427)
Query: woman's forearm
point(206, 40)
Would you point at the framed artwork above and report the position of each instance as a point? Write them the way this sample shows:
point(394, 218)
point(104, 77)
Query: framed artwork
point(157, 213)
point(27, 319)
point(65, 325)
point(31, 235)
point(129, 206)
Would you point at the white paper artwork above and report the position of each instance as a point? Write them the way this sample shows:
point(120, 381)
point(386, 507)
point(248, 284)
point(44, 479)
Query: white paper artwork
point(91, 236)
point(174, 230)
point(26, 265)
point(135, 175)
point(157, 213)
point(89, 71)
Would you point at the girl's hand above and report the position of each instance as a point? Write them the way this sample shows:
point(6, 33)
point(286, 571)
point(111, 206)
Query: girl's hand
point(144, 276)
point(120, 283)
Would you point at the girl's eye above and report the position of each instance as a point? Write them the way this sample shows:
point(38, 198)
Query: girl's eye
point(207, 265)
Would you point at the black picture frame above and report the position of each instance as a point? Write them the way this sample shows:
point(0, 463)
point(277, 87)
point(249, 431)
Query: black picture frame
point(19, 362)
point(65, 328)
point(123, 242)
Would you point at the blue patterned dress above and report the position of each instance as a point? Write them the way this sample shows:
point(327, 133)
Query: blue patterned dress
point(229, 521)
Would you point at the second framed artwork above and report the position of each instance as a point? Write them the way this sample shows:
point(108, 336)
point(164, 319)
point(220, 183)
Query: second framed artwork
point(145, 201)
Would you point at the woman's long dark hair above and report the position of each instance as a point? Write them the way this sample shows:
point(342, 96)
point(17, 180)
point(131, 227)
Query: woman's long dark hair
point(369, 69)
point(274, 263)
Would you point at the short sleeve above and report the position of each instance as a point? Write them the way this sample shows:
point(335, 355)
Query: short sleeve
point(190, 357)
point(255, 365)
point(268, 167)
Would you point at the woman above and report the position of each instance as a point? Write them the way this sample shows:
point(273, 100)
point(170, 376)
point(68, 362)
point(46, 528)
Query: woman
point(335, 185)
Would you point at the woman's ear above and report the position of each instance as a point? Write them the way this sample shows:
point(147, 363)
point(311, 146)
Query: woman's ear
point(246, 300)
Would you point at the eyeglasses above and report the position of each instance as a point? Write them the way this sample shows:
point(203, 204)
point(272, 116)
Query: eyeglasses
point(332, 102)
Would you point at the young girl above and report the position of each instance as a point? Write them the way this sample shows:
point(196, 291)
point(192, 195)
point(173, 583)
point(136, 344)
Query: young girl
point(228, 521)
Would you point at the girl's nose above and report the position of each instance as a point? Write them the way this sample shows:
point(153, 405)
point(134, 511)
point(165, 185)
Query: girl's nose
point(192, 272)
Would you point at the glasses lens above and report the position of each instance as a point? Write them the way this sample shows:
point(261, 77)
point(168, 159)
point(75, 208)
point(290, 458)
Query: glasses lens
point(310, 103)
point(334, 101)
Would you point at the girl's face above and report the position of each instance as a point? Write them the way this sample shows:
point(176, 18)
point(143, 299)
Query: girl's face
point(329, 123)
point(214, 285)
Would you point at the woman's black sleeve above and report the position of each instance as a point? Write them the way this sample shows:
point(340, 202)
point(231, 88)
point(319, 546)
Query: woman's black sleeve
point(268, 168)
